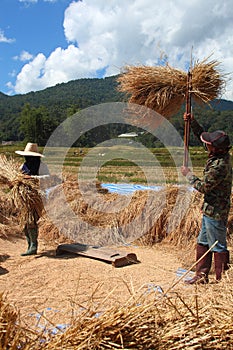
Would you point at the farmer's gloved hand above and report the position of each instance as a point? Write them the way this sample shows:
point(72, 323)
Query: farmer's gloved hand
point(185, 170)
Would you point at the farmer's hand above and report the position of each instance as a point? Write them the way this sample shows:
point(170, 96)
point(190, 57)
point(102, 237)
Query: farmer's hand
point(185, 170)
point(188, 116)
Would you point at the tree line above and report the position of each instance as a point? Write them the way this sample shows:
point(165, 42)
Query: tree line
point(34, 116)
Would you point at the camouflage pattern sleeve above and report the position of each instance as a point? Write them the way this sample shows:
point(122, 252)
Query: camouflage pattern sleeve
point(216, 186)
point(196, 128)
point(214, 173)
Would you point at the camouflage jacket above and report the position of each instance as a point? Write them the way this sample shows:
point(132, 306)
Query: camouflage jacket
point(216, 184)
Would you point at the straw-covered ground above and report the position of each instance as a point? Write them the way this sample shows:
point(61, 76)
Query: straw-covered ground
point(72, 302)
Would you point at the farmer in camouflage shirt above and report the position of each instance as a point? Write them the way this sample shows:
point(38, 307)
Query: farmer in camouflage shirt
point(216, 186)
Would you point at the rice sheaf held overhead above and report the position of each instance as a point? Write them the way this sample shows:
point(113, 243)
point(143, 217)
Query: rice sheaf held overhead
point(163, 88)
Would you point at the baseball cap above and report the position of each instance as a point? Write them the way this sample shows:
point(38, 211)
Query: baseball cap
point(218, 139)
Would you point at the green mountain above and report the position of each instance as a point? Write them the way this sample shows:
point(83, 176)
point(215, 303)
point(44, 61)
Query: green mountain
point(58, 101)
point(44, 110)
point(81, 93)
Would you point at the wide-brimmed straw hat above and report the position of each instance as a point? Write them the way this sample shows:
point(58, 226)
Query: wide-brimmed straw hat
point(218, 139)
point(31, 149)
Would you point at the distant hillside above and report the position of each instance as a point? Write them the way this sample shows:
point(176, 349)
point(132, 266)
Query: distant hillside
point(58, 100)
point(222, 105)
point(65, 99)
point(81, 92)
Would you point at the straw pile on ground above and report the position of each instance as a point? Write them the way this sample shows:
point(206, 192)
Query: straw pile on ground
point(25, 193)
point(172, 216)
point(163, 320)
point(163, 88)
point(11, 333)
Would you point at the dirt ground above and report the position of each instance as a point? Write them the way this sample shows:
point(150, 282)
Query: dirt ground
point(51, 289)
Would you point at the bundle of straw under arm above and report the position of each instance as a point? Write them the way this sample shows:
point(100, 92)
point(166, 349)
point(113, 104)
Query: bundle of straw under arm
point(163, 88)
point(25, 192)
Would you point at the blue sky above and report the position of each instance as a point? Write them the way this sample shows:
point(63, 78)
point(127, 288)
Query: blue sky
point(27, 28)
point(45, 42)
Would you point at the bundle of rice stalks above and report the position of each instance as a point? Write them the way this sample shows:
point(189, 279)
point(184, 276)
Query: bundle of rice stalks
point(8, 216)
point(25, 192)
point(163, 88)
point(4, 208)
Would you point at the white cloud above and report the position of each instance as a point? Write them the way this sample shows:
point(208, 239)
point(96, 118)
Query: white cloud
point(4, 39)
point(24, 56)
point(106, 35)
point(29, 77)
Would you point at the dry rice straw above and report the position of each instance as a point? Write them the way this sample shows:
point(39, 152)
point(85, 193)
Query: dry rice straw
point(25, 192)
point(163, 88)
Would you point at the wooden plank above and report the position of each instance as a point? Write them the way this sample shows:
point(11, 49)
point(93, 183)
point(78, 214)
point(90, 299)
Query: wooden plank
point(115, 257)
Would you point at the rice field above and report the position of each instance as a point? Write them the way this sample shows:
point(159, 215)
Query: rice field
point(131, 170)
point(136, 169)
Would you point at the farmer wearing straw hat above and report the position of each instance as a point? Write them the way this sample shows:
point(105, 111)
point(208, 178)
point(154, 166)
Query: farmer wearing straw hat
point(216, 186)
point(32, 167)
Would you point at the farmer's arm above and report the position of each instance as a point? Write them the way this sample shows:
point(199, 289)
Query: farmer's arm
point(24, 169)
point(211, 179)
point(196, 128)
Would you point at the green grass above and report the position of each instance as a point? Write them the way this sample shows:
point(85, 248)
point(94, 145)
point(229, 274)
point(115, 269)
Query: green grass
point(137, 180)
point(107, 179)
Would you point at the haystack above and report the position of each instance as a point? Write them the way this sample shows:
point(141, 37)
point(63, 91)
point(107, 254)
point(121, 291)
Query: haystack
point(173, 216)
point(163, 88)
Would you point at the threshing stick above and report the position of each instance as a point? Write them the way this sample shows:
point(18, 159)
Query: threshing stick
point(187, 118)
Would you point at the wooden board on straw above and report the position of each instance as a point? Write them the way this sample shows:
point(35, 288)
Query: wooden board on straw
point(115, 257)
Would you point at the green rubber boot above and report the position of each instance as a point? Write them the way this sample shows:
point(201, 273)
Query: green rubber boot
point(28, 241)
point(33, 235)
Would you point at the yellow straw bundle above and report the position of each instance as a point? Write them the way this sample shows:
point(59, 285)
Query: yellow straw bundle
point(163, 88)
point(25, 191)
